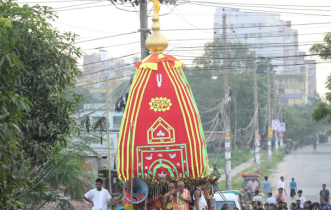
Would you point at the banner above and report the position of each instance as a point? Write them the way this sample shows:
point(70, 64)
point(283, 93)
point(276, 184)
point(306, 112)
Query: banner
point(270, 133)
point(257, 135)
point(282, 127)
point(275, 125)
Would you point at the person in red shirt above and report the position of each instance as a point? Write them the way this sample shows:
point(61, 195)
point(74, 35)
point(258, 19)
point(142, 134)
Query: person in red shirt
point(279, 196)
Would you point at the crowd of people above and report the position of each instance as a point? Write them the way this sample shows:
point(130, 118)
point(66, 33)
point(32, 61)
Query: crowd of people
point(277, 202)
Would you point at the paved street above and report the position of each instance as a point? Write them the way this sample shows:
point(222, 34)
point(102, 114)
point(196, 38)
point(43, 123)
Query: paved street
point(309, 169)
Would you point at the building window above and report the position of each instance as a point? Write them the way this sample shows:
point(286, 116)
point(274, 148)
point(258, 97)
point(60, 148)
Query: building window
point(117, 119)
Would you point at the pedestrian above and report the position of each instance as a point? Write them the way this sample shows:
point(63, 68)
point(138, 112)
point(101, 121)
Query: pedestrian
point(100, 196)
point(293, 188)
point(326, 203)
point(316, 204)
point(247, 206)
point(252, 186)
point(279, 196)
point(266, 206)
point(298, 204)
point(168, 197)
point(311, 207)
point(270, 199)
point(257, 197)
point(198, 197)
point(281, 184)
point(314, 145)
point(259, 204)
point(254, 205)
point(302, 199)
point(305, 206)
point(235, 208)
point(182, 198)
point(273, 207)
point(267, 187)
point(324, 193)
point(292, 206)
point(289, 149)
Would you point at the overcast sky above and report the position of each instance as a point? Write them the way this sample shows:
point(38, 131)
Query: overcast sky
point(101, 19)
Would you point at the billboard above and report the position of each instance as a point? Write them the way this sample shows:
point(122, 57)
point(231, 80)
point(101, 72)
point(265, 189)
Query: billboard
point(282, 127)
point(275, 125)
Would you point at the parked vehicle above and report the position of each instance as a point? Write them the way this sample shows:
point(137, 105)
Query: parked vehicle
point(310, 139)
point(232, 198)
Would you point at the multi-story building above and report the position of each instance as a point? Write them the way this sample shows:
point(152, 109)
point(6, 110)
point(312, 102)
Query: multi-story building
point(269, 36)
point(311, 65)
point(100, 65)
point(293, 86)
point(266, 34)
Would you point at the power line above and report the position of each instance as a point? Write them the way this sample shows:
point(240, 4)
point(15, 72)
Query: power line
point(203, 4)
point(74, 5)
point(106, 37)
point(260, 6)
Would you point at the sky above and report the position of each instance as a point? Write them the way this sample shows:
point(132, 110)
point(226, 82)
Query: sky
point(98, 19)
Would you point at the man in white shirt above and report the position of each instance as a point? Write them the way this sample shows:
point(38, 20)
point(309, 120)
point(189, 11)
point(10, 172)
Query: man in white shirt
point(257, 197)
point(270, 199)
point(99, 196)
point(301, 198)
point(281, 184)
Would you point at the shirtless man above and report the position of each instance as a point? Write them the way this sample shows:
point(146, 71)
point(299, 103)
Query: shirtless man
point(167, 198)
point(181, 197)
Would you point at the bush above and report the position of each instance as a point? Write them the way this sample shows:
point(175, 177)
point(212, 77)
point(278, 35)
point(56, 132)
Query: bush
point(210, 148)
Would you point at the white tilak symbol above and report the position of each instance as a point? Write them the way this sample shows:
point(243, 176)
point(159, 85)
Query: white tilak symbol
point(159, 79)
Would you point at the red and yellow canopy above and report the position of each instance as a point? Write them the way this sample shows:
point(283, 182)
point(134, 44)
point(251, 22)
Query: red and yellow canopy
point(167, 135)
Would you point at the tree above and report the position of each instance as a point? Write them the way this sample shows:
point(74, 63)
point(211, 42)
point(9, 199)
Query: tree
point(322, 111)
point(63, 176)
point(12, 106)
point(36, 67)
point(207, 90)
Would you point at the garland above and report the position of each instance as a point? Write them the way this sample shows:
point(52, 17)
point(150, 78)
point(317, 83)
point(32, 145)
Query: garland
point(158, 186)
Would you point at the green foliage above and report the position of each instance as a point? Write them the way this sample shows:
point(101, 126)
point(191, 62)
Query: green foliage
point(63, 176)
point(36, 70)
point(210, 148)
point(264, 169)
point(298, 121)
point(238, 156)
point(322, 111)
point(12, 106)
point(323, 49)
point(240, 79)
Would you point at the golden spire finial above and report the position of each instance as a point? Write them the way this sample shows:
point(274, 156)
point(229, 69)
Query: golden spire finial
point(156, 42)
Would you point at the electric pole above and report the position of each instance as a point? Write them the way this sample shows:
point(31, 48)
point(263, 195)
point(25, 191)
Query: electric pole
point(256, 121)
point(275, 111)
point(227, 104)
point(235, 120)
point(143, 28)
point(269, 118)
point(280, 107)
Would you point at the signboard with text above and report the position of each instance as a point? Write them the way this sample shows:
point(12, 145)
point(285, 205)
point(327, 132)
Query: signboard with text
point(282, 127)
point(270, 132)
point(275, 125)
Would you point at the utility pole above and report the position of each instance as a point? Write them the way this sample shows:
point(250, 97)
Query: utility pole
point(143, 28)
point(109, 155)
point(275, 111)
point(269, 118)
point(280, 107)
point(235, 120)
point(256, 121)
point(227, 112)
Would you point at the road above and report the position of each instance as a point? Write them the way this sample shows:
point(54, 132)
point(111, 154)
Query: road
point(309, 169)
